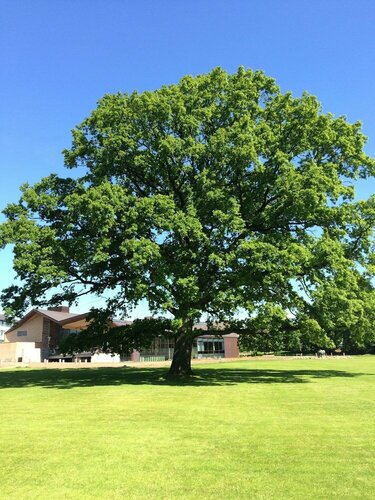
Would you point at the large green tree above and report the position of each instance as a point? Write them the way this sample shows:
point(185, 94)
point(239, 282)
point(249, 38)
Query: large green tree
point(215, 195)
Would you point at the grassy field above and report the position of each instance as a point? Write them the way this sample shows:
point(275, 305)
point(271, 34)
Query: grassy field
point(248, 429)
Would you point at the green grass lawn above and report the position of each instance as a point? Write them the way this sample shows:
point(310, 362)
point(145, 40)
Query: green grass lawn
point(247, 429)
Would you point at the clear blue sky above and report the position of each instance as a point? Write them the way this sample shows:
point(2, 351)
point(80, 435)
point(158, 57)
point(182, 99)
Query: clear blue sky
point(58, 57)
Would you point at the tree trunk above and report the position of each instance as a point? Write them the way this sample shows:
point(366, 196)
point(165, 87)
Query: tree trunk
point(181, 362)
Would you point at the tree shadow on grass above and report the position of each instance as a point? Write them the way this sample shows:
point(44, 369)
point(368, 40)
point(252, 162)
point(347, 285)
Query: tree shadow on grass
point(70, 378)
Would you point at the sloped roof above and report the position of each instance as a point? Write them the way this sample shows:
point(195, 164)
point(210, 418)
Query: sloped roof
point(203, 326)
point(71, 318)
point(76, 321)
point(56, 316)
point(219, 326)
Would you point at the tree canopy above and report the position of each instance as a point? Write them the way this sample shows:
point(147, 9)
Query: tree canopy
point(215, 195)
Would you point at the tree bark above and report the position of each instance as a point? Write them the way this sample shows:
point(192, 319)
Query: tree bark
point(181, 362)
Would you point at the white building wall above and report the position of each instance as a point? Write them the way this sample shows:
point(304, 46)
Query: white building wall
point(101, 357)
point(28, 352)
point(3, 327)
point(15, 352)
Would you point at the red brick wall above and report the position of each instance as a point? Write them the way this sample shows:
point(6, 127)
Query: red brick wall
point(135, 356)
point(231, 347)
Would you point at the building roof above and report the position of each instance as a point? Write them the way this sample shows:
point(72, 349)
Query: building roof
point(65, 319)
point(213, 332)
point(56, 316)
point(204, 326)
point(73, 322)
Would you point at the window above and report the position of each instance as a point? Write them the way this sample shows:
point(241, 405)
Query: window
point(210, 346)
point(68, 331)
point(166, 343)
point(22, 333)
